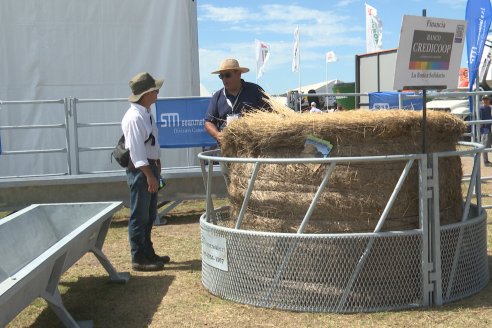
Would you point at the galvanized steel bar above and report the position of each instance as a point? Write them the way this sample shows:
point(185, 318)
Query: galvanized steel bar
point(316, 197)
point(35, 151)
point(392, 199)
point(478, 183)
point(471, 187)
point(82, 149)
point(435, 230)
point(66, 112)
point(38, 126)
point(91, 125)
point(247, 195)
point(424, 226)
point(377, 229)
point(210, 205)
point(31, 102)
point(466, 211)
point(73, 102)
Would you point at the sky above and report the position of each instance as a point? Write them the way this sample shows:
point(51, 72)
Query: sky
point(228, 29)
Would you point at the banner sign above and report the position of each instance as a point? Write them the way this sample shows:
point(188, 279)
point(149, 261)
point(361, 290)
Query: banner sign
point(429, 53)
point(181, 122)
point(214, 251)
point(374, 30)
point(463, 79)
point(295, 54)
point(478, 17)
point(389, 100)
point(262, 56)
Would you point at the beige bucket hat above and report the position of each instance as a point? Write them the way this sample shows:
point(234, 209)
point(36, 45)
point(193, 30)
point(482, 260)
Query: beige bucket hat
point(141, 84)
point(230, 64)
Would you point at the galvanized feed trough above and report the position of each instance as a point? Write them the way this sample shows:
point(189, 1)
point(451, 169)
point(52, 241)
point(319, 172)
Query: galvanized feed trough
point(39, 243)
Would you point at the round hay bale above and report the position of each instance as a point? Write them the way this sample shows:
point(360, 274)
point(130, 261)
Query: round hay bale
point(357, 193)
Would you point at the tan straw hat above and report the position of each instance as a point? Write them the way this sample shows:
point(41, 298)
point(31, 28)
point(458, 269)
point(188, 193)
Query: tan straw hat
point(230, 64)
point(141, 84)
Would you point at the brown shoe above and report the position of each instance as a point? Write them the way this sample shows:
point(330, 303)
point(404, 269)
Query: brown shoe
point(147, 265)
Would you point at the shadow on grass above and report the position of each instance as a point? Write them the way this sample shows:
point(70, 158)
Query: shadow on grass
point(111, 305)
point(171, 220)
point(193, 265)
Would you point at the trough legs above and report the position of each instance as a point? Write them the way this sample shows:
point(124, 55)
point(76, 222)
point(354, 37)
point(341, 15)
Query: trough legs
point(114, 276)
point(52, 295)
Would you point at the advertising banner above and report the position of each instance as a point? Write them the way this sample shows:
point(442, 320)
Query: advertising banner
point(181, 122)
point(389, 100)
point(478, 17)
point(374, 30)
point(262, 56)
point(429, 53)
point(295, 52)
point(463, 79)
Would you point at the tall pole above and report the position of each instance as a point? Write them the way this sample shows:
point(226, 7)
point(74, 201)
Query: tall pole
point(424, 109)
point(299, 67)
point(326, 78)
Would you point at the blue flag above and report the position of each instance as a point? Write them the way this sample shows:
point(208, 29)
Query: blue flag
point(478, 16)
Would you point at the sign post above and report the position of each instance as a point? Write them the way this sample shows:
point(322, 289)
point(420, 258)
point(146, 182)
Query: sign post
point(429, 56)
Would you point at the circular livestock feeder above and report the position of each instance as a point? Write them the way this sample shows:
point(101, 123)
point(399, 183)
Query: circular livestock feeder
point(424, 248)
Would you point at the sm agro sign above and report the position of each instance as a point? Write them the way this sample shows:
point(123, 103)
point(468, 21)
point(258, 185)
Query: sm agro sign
point(181, 122)
point(429, 53)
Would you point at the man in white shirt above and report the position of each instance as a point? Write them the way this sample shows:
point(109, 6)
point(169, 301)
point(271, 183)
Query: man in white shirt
point(315, 109)
point(143, 172)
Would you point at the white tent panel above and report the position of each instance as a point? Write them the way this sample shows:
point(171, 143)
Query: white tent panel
point(53, 49)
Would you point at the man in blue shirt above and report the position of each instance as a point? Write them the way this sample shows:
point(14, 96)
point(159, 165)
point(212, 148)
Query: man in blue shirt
point(236, 97)
point(485, 114)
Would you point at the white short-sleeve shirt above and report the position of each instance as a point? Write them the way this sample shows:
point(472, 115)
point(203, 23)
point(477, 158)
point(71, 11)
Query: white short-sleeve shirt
point(137, 124)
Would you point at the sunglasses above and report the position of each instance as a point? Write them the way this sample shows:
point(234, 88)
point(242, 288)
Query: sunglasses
point(225, 75)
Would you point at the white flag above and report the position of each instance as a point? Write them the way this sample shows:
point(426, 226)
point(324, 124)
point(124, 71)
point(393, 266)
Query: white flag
point(295, 55)
point(374, 30)
point(262, 56)
point(331, 57)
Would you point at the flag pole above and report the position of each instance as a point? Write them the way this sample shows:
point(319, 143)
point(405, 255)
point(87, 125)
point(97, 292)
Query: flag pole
point(326, 97)
point(300, 99)
point(256, 56)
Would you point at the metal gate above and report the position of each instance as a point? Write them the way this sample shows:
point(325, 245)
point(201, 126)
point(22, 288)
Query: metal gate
point(348, 272)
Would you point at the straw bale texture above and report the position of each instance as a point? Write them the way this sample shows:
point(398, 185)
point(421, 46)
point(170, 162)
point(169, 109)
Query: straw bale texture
point(357, 193)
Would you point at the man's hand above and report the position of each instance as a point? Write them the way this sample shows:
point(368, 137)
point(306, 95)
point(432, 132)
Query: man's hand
point(218, 137)
point(213, 131)
point(152, 183)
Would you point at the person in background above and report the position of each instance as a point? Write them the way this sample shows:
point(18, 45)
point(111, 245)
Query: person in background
point(235, 98)
point(485, 114)
point(315, 109)
point(143, 172)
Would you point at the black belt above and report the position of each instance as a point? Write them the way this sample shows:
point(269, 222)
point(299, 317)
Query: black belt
point(152, 161)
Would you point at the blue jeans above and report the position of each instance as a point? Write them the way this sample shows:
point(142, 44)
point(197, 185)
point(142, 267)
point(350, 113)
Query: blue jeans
point(143, 206)
point(486, 140)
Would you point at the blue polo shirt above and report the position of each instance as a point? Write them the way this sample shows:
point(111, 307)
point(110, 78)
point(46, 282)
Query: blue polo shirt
point(485, 114)
point(250, 97)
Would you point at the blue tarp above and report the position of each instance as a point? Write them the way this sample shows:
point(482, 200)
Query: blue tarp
point(181, 123)
point(389, 100)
